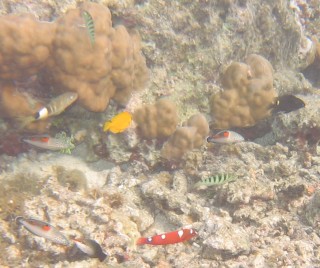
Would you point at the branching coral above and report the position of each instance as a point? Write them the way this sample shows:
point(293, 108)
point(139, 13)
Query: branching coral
point(157, 121)
point(247, 96)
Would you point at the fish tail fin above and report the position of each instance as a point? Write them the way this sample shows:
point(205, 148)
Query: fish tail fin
point(106, 126)
point(141, 241)
point(23, 121)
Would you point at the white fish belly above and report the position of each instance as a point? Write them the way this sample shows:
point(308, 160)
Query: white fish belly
point(52, 144)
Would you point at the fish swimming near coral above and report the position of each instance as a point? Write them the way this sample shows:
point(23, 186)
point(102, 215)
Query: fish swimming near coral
point(118, 123)
point(91, 248)
point(48, 143)
point(55, 107)
point(226, 136)
point(215, 180)
point(89, 25)
point(168, 238)
point(43, 229)
point(287, 104)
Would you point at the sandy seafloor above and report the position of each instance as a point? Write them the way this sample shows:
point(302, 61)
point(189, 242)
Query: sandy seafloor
point(268, 217)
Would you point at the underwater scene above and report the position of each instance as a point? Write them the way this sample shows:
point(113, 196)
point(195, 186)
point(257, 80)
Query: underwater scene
point(152, 133)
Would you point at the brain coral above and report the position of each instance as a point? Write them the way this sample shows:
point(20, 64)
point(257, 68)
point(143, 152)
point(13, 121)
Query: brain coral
point(247, 96)
point(25, 45)
point(157, 121)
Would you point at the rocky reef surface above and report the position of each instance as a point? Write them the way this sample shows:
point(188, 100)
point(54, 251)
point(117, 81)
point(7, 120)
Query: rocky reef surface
point(116, 188)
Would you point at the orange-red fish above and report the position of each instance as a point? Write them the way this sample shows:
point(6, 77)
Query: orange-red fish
point(43, 229)
point(226, 136)
point(168, 238)
point(118, 123)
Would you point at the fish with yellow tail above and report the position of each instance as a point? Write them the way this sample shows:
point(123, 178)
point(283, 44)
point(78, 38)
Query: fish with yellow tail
point(43, 229)
point(55, 107)
point(118, 123)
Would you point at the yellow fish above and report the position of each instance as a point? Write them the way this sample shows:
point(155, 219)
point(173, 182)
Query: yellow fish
point(119, 123)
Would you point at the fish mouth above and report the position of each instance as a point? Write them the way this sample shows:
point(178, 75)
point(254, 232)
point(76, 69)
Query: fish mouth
point(18, 219)
point(209, 139)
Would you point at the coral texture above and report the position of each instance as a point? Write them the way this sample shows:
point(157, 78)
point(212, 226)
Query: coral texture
point(96, 72)
point(179, 143)
point(191, 135)
point(202, 128)
point(247, 96)
point(25, 45)
point(157, 121)
point(64, 58)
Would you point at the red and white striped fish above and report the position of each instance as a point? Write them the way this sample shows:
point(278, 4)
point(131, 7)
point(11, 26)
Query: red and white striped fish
point(225, 136)
point(168, 238)
point(43, 229)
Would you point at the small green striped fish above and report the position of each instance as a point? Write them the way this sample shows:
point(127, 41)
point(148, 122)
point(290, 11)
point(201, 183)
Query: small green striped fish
point(89, 25)
point(215, 180)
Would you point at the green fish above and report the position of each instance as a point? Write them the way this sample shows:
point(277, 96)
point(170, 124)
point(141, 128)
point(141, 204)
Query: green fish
point(89, 25)
point(216, 180)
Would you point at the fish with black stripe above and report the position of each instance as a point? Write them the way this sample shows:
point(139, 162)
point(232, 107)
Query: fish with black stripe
point(55, 107)
point(89, 22)
point(216, 180)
